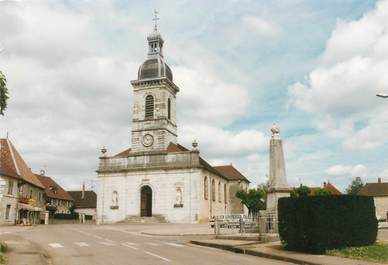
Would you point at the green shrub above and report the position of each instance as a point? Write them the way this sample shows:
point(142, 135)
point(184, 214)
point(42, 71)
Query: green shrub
point(317, 223)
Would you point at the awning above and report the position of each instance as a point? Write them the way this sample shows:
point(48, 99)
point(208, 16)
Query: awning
point(23, 206)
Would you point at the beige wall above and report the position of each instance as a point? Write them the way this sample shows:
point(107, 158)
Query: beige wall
point(219, 206)
point(381, 204)
point(8, 197)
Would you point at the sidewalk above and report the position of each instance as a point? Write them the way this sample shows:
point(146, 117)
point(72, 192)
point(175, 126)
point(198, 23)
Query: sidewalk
point(20, 250)
point(273, 251)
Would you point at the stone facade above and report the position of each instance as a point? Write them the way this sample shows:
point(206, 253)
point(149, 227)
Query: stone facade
point(157, 176)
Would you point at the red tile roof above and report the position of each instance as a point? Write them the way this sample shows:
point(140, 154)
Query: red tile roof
point(328, 186)
point(231, 173)
point(53, 190)
point(13, 165)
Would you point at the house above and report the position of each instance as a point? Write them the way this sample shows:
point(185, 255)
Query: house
point(156, 176)
point(326, 186)
point(85, 202)
point(379, 191)
point(22, 193)
point(56, 198)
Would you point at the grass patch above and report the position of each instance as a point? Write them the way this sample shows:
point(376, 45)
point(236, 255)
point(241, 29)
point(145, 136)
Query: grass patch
point(377, 252)
point(3, 249)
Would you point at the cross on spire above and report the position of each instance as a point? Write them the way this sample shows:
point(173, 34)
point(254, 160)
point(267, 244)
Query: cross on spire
point(155, 19)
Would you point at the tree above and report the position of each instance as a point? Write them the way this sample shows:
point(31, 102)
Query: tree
point(253, 199)
point(355, 187)
point(321, 191)
point(301, 191)
point(3, 93)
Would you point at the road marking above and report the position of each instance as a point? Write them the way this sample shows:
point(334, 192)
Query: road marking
point(108, 243)
point(157, 256)
point(81, 244)
point(55, 245)
point(175, 245)
point(152, 244)
point(129, 246)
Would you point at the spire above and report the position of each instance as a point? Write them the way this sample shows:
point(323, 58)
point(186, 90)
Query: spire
point(155, 41)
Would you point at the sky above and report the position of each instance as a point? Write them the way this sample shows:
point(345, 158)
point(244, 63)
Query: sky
point(311, 67)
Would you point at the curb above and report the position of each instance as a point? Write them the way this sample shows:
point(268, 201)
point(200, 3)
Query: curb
point(254, 253)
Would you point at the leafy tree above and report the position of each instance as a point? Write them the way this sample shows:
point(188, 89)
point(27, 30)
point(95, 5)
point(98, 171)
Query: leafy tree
point(3, 93)
point(301, 191)
point(322, 192)
point(253, 199)
point(355, 187)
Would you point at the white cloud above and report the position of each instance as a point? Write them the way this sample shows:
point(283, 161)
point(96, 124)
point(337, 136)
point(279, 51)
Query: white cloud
point(341, 90)
point(347, 171)
point(260, 26)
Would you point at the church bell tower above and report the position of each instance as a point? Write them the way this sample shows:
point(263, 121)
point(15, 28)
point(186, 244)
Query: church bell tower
point(154, 100)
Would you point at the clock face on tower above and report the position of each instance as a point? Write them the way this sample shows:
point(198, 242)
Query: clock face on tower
point(148, 140)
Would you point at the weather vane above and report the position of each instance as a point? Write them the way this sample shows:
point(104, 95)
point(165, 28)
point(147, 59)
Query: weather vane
point(155, 19)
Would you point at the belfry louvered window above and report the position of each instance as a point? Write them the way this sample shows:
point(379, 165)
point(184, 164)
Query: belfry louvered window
point(169, 109)
point(149, 107)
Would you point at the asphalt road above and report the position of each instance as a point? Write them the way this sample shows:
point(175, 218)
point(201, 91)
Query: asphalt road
point(125, 245)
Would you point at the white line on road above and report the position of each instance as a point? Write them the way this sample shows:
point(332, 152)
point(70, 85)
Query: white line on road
point(151, 244)
point(157, 256)
point(129, 246)
point(81, 244)
point(108, 243)
point(55, 245)
point(175, 245)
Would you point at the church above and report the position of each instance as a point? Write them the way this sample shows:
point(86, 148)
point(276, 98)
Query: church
point(157, 177)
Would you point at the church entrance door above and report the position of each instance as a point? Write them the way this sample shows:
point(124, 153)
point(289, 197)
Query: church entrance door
point(146, 201)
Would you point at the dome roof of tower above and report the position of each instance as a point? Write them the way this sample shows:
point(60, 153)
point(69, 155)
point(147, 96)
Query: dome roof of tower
point(154, 68)
point(154, 35)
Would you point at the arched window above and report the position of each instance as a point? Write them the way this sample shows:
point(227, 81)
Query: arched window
point(219, 191)
point(149, 107)
point(225, 195)
point(169, 108)
point(213, 190)
point(205, 188)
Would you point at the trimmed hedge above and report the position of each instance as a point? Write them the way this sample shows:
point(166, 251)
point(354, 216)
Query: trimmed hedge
point(316, 223)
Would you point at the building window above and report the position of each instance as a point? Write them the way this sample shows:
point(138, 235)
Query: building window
point(149, 107)
point(205, 189)
point(169, 109)
point(7, 211)
point(30, 194)
point(219, 191)
point(39, 196)
point(10, 187)
point(225, 195)
point(213, 190)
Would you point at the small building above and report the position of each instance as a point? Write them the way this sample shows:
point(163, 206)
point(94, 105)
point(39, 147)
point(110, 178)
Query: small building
point(379, 191)
point(57, 200)
point(85, 202)
point(23, 201)
point(326, 186)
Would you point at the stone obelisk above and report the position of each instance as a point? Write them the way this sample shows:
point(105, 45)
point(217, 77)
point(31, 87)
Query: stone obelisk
point(277, 186)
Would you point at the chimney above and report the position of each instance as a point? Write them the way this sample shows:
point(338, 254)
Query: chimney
point(83, 191)
point(379, 180)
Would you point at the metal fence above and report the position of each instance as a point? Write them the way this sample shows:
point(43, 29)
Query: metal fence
point(265, 222)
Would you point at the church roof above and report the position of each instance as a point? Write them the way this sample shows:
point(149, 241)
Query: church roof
point(231, 173)
point(154, 68)
point(52, 189)
point(13, 165)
